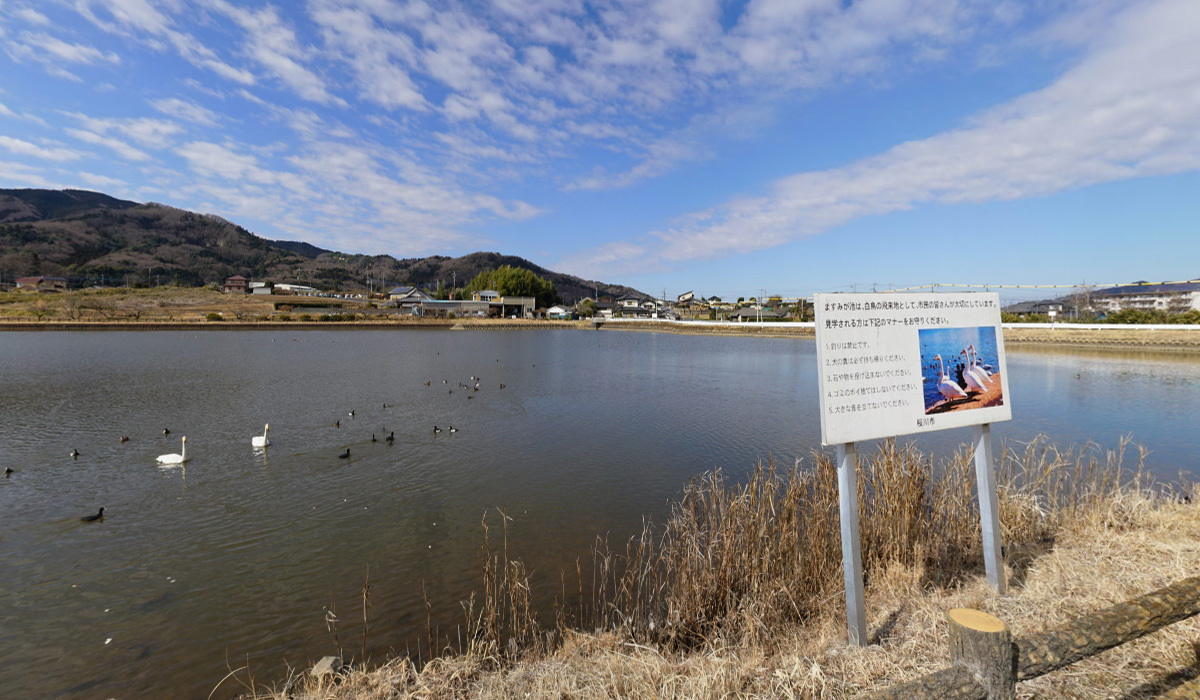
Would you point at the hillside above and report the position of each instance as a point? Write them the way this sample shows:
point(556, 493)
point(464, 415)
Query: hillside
point(94, 239)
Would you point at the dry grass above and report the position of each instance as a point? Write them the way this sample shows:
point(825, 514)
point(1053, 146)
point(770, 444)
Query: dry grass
point(739, 593)
point(125, 305)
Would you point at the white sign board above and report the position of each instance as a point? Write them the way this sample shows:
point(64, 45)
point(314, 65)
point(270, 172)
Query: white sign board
point(895, 364)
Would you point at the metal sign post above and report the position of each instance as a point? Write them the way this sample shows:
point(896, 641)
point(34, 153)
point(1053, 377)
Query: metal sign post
point(856, 615)
point(902, 364)
point(989, 514)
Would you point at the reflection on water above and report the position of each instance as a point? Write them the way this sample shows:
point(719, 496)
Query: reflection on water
point(234, 558)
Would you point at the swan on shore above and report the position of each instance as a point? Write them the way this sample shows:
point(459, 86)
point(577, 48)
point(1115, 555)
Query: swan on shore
point(974, 381)
point(175, 458)
point(947, 386)
point(985, 370)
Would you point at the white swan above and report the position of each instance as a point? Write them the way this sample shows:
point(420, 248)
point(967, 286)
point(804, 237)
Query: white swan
point(983, 369)
point(979, 372)
point(261, 440)
point(175, 458)
point(947, 386)
point(970, 376)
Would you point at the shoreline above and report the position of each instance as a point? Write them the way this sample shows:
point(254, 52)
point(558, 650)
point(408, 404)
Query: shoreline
point(1133, 338)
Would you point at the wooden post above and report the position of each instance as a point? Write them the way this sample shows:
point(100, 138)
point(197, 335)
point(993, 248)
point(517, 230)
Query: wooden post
point(856, 616)
point(989, 514)
point(983, 644)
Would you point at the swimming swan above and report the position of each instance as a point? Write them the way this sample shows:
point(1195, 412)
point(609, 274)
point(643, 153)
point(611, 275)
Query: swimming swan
point(261, 440)
point(175, 458)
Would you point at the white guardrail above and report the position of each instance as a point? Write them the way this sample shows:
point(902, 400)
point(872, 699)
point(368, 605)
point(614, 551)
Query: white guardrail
point(810, 324)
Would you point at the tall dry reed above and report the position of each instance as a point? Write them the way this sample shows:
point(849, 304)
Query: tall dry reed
point(735, 560)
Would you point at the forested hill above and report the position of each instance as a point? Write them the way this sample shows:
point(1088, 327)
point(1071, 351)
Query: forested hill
point(93, 238)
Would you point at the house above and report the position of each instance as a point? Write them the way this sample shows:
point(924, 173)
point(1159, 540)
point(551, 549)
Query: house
point(261, 288)
point(459, 307)
point(685, 298)
point(560, 313)
point(409, 298)
point(488, 295)
point(517, 307)
point(604, 309)
point(42, 284)
point(236, 285)
point(408, 294)
point(628, 302)
point(631, 312)
point(295, 288)
point(750, 313)
point(1172, 297)
point(1024, 308)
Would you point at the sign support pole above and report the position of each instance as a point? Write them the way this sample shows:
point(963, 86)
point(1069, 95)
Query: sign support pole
point(856, 615)
point(989, 514)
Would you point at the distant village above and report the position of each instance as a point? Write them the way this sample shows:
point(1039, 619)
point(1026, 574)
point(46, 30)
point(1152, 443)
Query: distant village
point(1170, 298)
point(487, 303)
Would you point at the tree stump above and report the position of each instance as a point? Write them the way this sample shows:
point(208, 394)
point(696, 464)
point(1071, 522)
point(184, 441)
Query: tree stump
point(982, 643)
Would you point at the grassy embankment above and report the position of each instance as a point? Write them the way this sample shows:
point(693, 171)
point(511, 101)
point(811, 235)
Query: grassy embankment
point(173, 307)
point(739, 593)
point(201, 307)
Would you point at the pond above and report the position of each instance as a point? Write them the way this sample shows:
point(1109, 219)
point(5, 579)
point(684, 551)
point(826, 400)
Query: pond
point(239, 557)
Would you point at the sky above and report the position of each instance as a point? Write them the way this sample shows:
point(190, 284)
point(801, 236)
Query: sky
point(727, 148)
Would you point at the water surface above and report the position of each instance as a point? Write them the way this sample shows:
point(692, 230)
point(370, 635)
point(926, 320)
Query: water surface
point(238, 558)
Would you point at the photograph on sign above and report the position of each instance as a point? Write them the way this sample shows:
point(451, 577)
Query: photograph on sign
point(897, 363)
point(959, 369)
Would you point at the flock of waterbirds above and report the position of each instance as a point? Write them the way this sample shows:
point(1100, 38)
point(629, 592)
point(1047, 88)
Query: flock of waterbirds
point(261, 442)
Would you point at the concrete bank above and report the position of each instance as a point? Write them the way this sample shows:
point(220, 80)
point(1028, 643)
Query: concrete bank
point(1154, 338)
point(398, 324)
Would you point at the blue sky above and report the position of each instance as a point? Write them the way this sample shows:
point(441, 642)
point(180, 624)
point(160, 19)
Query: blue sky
point(731, 148)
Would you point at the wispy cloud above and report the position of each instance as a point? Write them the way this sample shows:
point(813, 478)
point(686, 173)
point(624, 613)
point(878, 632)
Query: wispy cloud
point(139, 18)
point(273, 44)
point(32, 16)
point(43, 45)
point(116, 145)
point(1128, 109)
point(25, 148)
point(185, 110)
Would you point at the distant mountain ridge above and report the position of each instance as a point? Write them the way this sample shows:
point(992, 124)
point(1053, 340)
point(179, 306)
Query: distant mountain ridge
point(97, 239)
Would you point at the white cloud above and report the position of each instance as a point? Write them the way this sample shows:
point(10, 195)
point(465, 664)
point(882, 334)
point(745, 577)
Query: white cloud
point(101, 180)
point(118, 146)
point(275, 47)
point(1129, 109)
point(33, 17)
point(42, 45)
point(213, 159)
point(146, 132)
point(187, 111)
point(378, 57)
point(25, 148)
point(133, 17)
point(23, 175)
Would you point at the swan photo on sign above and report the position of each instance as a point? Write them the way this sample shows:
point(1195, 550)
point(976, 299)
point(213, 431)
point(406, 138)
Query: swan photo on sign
point(902, 363)
point(960, 369)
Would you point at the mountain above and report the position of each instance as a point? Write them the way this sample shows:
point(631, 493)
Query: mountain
point(92, 238)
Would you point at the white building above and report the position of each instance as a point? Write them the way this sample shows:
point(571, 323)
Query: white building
point(1173, 297)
